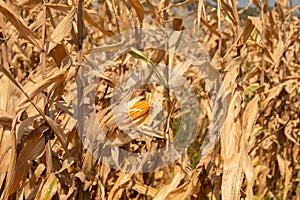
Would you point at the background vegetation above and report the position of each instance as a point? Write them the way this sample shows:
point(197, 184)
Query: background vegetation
point(43, 44)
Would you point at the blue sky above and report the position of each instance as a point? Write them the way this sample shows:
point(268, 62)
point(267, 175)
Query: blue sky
point(243, 3)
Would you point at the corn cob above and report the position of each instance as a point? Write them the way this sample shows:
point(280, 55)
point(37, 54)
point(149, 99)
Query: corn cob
point(139, 110)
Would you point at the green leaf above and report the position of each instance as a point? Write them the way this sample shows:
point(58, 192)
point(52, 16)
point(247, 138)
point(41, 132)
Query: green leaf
point(252, 88)
point(140, 55)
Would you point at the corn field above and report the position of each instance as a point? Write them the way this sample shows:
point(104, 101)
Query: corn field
point(46, 48)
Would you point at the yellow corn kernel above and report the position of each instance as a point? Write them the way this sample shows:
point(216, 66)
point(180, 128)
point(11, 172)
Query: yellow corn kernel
point(139, 110)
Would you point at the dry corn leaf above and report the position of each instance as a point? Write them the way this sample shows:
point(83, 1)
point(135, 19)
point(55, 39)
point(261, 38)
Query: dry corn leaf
point(93, 22)
point(5, 118)
point(31, 187)
point(229, 7)
point(59, 132)
point(167, 189)
point(119, 186)
point(49, 188)
point(256, 21)
point(250, 116)
point(289, 126)
point(137, 6)
point(28, 3)
point(144, 189)
point(58, 53)
point(62, 30)
point(53, 125)
point(179, 4)
point(60, 7)
point(19, 24)
point(31, 150)
point(285, 173)
point(7, 136)
point(200, 9)
point(231, 151)
point(274, 92)
point(7, 161)
point(55, 79)
point(211, 27)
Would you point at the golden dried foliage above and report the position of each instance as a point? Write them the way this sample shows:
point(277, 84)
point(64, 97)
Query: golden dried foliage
point(44, 43)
